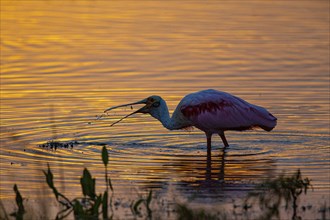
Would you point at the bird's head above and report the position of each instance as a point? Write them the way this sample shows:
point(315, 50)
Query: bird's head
point(154, 105)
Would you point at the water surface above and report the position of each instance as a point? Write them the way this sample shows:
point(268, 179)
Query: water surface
point(64, 62)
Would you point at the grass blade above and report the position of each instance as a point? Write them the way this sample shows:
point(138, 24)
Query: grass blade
point(105, 156)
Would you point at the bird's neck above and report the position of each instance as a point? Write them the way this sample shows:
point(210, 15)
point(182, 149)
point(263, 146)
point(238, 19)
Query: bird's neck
point(167, 121)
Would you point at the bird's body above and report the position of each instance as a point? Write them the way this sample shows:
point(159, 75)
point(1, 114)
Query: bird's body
point(209, 110)
point(212, 111)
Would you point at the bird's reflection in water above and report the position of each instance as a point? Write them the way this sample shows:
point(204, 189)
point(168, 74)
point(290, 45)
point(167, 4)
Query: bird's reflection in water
point(195, 173)
point(222, 175)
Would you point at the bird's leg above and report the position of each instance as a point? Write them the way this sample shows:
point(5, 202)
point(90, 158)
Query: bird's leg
point(208, 157)
point(223, 138)
point(222, 168)
point(208, 140)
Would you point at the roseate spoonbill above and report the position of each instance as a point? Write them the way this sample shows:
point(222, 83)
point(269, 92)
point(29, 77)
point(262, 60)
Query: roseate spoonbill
point(211, 111)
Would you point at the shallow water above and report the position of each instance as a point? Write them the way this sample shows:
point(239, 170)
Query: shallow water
point(64, 62)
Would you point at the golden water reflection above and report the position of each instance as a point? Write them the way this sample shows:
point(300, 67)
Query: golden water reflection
point(61, 68)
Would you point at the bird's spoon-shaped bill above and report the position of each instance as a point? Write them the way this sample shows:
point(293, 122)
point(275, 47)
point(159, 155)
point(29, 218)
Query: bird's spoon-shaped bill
point(144, 101)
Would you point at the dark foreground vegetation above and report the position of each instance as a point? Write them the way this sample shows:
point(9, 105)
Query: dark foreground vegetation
point(265, 202)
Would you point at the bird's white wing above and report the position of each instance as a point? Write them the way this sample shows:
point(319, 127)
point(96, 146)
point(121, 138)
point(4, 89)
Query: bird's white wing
point(212, 110)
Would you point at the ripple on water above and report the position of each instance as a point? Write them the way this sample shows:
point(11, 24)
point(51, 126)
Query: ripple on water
point(56, 78)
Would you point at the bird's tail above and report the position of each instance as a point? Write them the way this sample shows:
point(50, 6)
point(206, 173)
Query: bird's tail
point(265, 119)
point(266, 128)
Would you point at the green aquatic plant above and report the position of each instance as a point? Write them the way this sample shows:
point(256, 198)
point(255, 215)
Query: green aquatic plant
point(266, 199)
point(18, 214)
point(91, 205)
point(264, 202)
point(136, 206)
point(270, 194)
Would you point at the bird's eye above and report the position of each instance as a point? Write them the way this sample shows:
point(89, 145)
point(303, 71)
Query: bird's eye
point(155, 104)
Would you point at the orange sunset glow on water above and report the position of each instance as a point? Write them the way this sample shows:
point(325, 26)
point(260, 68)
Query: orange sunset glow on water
point(64, 62)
